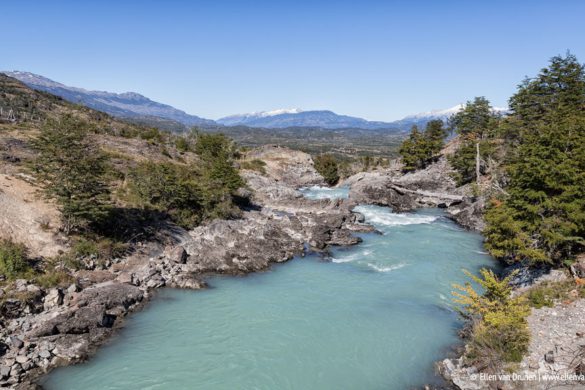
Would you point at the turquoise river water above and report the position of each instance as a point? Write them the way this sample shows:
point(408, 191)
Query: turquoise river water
point(373, 316)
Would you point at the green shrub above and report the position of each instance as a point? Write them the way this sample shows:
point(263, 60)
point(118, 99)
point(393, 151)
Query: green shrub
point(182, 144)
point(85, 248)
point(215, 146)
point(13, 259)
point(328, 167)
point(547, 293)
point(254, 165)
point(152, 134)
point(506, 236)
point(98, 247)
point(54, 278)
point(169, 188)
point(189, 194)
point(538, 298)
point(499, 332)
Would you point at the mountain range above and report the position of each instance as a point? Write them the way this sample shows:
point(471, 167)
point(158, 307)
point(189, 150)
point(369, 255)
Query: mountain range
point(296, 117)
point(138, 108)
point(122, 105)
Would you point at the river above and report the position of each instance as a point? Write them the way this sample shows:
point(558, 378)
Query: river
point(373, 316)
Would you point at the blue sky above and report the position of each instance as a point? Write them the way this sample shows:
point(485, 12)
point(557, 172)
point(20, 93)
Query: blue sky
point(380, 60)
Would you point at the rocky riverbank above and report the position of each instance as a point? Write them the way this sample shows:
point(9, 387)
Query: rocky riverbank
point(556, 353)
point(46, 328)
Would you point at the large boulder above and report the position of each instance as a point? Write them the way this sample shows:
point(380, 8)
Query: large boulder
point(469, 214)
point(378, 188)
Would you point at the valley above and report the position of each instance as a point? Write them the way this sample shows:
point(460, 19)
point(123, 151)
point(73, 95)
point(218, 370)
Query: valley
point(108, 223)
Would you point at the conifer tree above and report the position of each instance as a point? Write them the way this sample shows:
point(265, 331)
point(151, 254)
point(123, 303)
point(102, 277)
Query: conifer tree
point(72, 169)
point(543, 216)
point(419, 149)
point(476, 125)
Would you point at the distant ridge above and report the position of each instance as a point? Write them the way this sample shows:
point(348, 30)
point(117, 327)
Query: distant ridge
point(295, 117)
point(123, 105)
point(140, 109)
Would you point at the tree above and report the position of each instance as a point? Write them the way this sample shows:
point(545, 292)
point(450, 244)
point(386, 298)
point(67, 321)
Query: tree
point(543, 216)
point(328, 167)
point(170, 188)
point(13, 259)
point(413, 150)
point(465, 163)
point(72, 168)
point(211, 147)
point(419, 149)
point(475, 124)
point(435, 133)
point(217, 152)
point(476, 120)
point(557, 92)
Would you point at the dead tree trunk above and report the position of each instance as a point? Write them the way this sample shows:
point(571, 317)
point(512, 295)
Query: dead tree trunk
point(477, 162)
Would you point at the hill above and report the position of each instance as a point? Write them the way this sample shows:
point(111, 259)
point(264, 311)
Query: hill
point(123, 105)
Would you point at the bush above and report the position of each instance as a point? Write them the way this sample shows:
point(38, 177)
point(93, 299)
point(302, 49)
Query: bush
point(84, 248)
point(547, 293)
point(13, 259)
point(98, 247)
point(328, 167)
point(499, 332)
point(182, 144)
point(254, 165)
point(170, 188)
point(215, 146)
point(505, 235)
point(54, 278)
point(189, 194)
point(153, 135)
point(539, 297)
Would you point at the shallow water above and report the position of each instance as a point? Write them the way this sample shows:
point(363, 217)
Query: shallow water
point(318, 192)
point(376, 316)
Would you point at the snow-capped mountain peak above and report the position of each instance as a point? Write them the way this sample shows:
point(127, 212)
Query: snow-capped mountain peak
point(436, 113)
point(446, 113)
point(280, 111)
point(260, 114)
